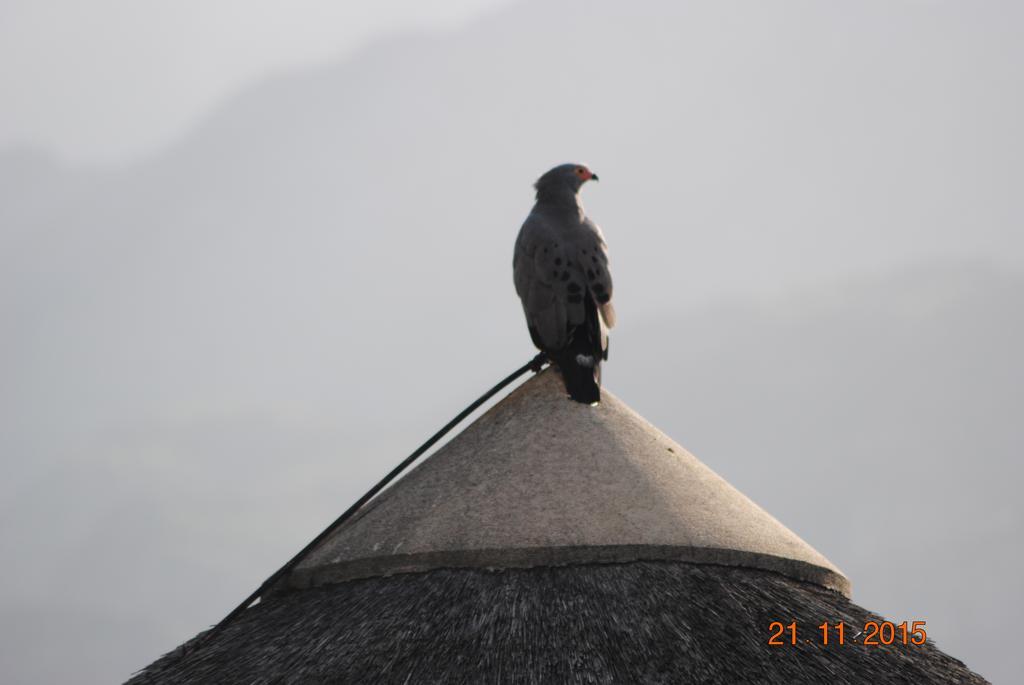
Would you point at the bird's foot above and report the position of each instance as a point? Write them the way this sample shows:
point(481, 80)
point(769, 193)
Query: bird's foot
point(538, 362)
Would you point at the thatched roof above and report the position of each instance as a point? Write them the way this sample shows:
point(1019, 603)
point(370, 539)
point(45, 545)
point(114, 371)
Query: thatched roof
point(657, 622)
point(554, 542)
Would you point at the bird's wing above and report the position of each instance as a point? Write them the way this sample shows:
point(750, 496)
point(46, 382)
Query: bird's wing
point(547, 281)
point(592, 254)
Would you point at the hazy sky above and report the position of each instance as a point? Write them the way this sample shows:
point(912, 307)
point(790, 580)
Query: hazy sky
point(301, 266)
point(137, 73)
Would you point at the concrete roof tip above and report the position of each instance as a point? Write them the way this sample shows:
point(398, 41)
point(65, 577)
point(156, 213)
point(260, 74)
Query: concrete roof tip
point(540, 480)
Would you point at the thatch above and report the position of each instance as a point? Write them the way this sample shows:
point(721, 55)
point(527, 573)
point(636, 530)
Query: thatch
point(657, 622)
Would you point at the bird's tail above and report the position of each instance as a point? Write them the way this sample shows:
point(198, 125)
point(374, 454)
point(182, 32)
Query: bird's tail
point(580, 361)
point(581, 372)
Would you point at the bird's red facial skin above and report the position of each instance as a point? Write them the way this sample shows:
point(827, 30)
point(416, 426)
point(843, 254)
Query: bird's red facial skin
point(584, 173)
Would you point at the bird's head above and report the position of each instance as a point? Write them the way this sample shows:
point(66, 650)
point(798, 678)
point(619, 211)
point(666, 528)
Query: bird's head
point(564, 179)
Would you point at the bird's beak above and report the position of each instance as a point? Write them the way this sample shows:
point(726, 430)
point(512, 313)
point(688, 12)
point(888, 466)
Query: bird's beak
point(593, 177)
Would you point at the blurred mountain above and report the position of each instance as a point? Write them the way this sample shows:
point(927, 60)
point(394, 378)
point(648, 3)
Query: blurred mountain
point(879, 418)
point(364, 211)
point(814, 218)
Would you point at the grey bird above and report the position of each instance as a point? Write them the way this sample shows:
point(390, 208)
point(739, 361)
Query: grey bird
point(560, 268)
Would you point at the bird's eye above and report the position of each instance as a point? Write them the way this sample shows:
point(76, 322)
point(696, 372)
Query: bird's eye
point(579, 170)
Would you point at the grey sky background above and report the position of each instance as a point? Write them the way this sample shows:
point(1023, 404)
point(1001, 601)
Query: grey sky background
point(252, 256)
point(108, 80)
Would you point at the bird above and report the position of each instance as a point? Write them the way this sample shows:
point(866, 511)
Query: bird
point(560, 270)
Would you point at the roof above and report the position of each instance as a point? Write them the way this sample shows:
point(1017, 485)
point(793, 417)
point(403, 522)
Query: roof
point(554, 542)
point(539, 481)
point(651, 622)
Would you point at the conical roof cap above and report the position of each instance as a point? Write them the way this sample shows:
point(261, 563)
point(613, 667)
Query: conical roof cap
point(542, 481)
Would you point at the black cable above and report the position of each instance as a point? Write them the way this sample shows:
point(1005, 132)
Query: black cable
point(535, 365)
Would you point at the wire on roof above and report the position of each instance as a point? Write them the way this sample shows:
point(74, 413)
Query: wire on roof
point(535, 365)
